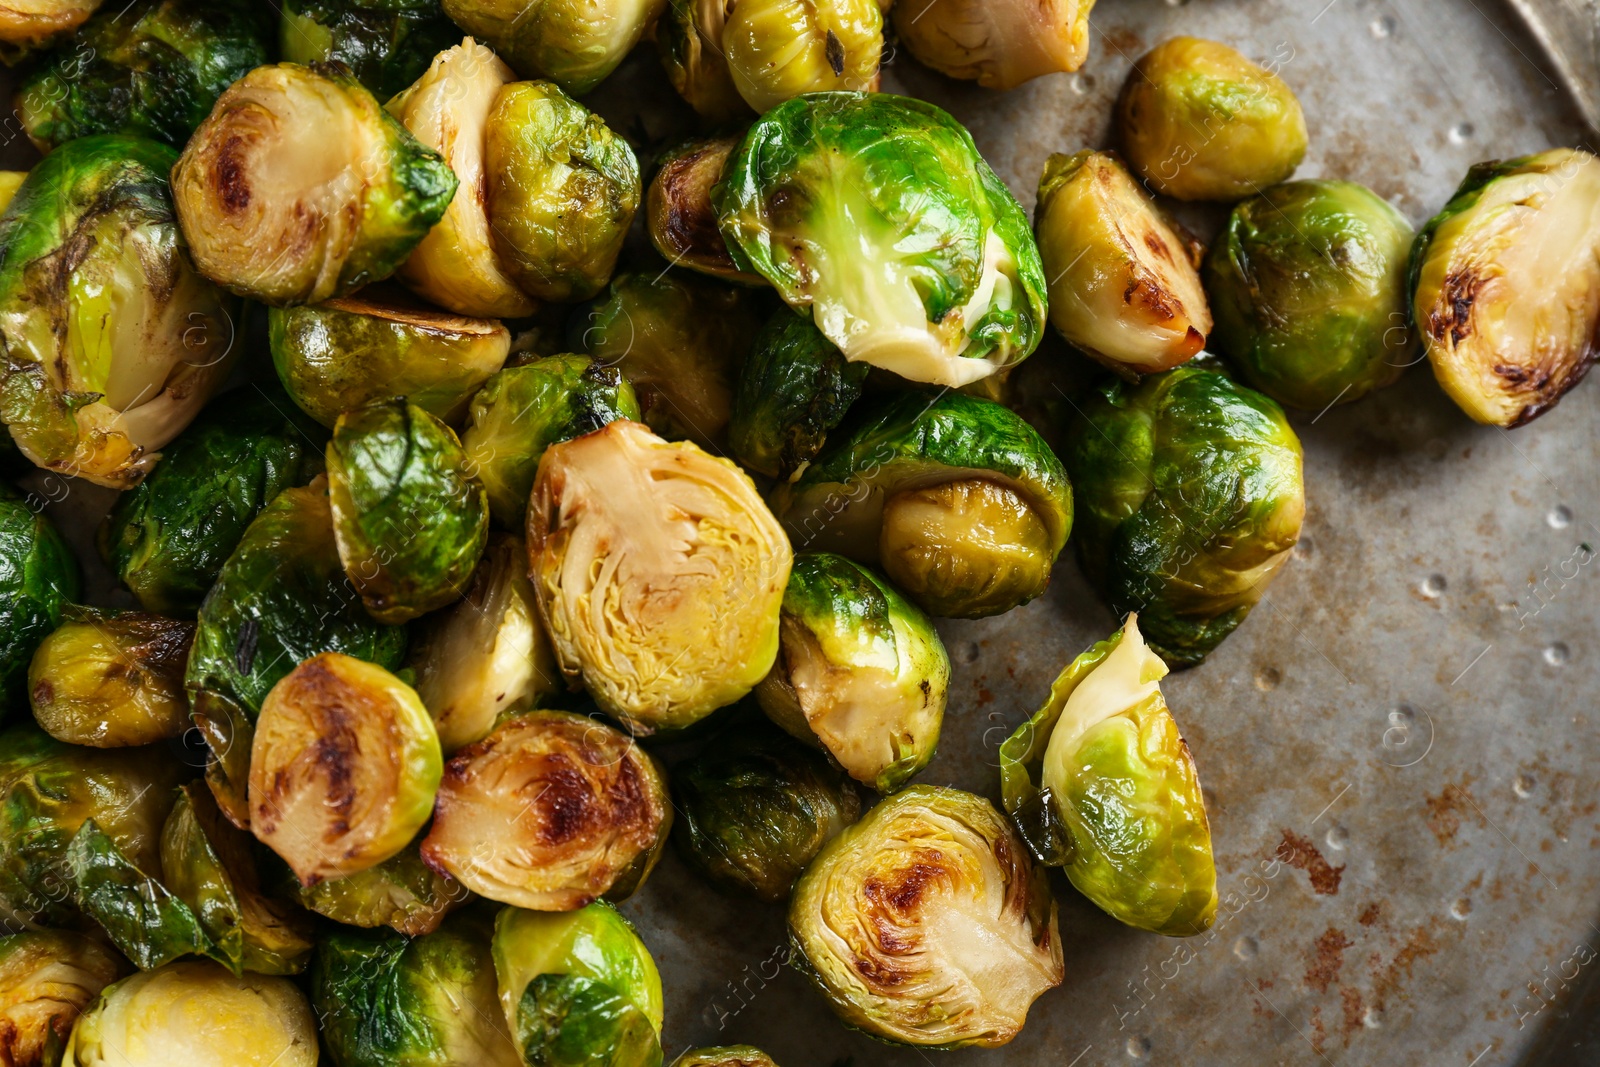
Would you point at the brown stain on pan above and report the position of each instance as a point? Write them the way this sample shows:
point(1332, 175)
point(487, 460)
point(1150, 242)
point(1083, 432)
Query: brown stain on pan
point(1299, 853)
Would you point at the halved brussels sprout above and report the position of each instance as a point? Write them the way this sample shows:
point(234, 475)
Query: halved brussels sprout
point(1506, 287)
point(997, 43)
point(104, 365)
point(550, 811)
point(861, 672)
point(1199, 121)
point(343, 767)
point(659, 573)
point(1189, 497)
point(168, 538)
point(299, 188)
point(112, 680)
point(193, 1013)
point(410, 522)
point(725, 1056)
point(755, 806)
point(487, 657)
point(38, 580)
point(1309, 285)
point(578, 988)
point(927, 923)
point(386, 1000)
point(958, 499)
point(1101, 783)
point(524, 410)
point(778, 49)
point(1123, 286)
point(29, 24)
point(689, 41)
point(680, 215)
point(572, 43)
point(402, 893)
point(794, 388)
point(876, 214)
point(387, 44)
point(10, 182)
point(47, 977)
point(152, 68)
point(679, 340)
point(562, 190)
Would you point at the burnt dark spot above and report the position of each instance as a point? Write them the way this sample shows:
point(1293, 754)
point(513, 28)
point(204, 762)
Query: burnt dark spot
point(244, 649)
point(44, 694)
point(568, 805)
point(233, 185)
point(1157, 246)
point(1459, 294)
point(903, 890)
point(835, 50)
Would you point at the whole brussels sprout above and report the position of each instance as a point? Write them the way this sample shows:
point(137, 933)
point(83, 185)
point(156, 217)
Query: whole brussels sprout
point(997, 43)
point(573, 44)
point(386, 1000)
point(680, 215)
point(876, 214)
point(168, 538)
point(299, 188)
point(562, 190)
point(725, 1056)
point(958, 499)
point(1189, 497)
point(679, 340)
point(861, 672)
point(550, 811)
point(152, 68)
point(794, 388)
point(578, 988)
point(38, 579)
point(343, 767)
point(336, 357)
point(686, 558)
point(1123, 286)
point(401, 893)
point(755, 806)
point(31, 24)
point(410, 522)
point(103, 367)
point(193, 1013)
point(524, 410)
point(1199, 121)
point(387, 44)
point(777, 50)
point(112, 680)
point(689, 41)
point(1309, 285)
point(1100, 782)
point(47, 977)
point(974, 939)
point(1505, 285)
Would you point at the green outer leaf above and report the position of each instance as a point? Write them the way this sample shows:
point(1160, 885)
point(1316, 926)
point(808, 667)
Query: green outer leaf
point(387, 44)
point(38, 578)
point(569, 1020)
point(145, 921)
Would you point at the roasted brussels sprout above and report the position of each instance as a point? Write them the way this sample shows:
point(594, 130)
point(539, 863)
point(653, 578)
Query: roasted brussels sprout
point(343, 768)
point(152, 68)
point(997, 43)
point(280, 599)
point(487, 657)
point(755, 806)
point(861, 673)
point(402, 893)
point(794, 388)
point(778, 49)
point(958, 499)
point(1100, 782)
point(47, 977)
point(680, 215)
point(387, 44)
point(562, 190)
point(1199, 121)
point(410, 522)
point(877, 214)
point(168, 539)
point(38, 579)
point(1123, 287)
point(1505, 285)
point(550, 811)
point(1308, 281)
point(391, 1001)
point(103, 367)
point(28, 24)
point(578, 988)
point(926, 923)
point(1189, 498)
point(689, 41)
point(299, 188)
point(193, 1013)
point(336, 357)
point(679, 340)
point(685, 558)
point(725, 1056)
point(573, 44)
point(524, 410)
point(111, 680)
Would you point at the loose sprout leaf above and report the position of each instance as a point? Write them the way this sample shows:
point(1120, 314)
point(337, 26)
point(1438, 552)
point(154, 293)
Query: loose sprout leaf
point(144, 920)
